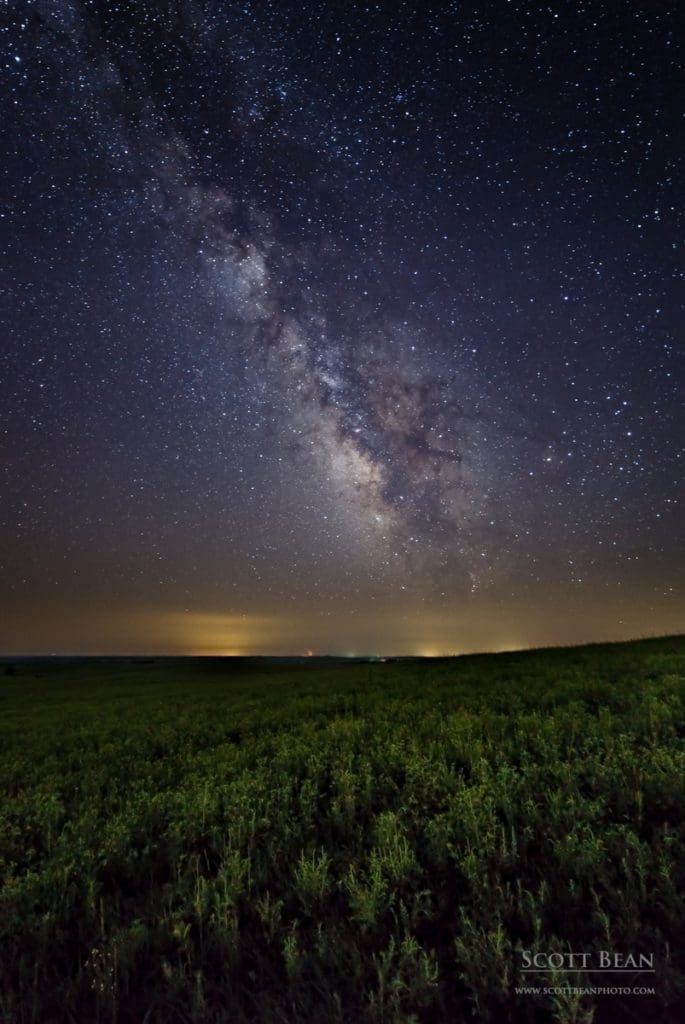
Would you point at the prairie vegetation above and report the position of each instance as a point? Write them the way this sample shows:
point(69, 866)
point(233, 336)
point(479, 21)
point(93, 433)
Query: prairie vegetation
point(207, 841)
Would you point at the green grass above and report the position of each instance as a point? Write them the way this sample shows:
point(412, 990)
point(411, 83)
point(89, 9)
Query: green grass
point(357, 843)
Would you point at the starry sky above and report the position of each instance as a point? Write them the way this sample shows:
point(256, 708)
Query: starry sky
point(350, 327)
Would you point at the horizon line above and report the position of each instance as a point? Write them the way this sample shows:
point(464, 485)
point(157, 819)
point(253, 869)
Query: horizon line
point(312, 656)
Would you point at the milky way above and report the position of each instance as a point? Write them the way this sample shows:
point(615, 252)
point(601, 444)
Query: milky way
point(340, 313)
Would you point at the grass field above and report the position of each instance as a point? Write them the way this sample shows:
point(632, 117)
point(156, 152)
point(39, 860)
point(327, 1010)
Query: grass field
point(213, 841)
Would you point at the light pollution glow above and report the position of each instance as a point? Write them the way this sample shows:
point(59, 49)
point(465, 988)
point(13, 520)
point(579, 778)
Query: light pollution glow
point(428, 633)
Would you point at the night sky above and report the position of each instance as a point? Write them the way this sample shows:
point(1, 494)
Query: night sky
point(346, 327)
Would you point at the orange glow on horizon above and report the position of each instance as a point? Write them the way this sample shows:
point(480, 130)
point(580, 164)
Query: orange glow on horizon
point(393, 630)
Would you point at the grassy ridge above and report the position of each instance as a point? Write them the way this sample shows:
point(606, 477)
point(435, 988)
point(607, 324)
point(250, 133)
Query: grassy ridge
point(356, 843)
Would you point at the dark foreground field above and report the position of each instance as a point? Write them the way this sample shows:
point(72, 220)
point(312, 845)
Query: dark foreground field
point(208, 841)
